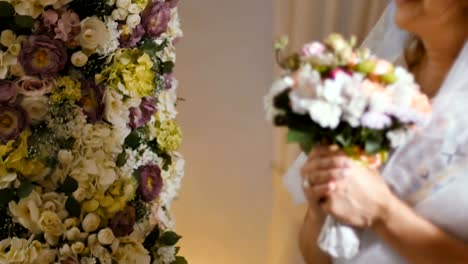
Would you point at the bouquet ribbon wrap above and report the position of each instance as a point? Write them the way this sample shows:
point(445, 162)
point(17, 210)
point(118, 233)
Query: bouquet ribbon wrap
point(338, 240)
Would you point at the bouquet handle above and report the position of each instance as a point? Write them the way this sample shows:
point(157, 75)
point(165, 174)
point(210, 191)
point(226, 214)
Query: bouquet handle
point(338, 240)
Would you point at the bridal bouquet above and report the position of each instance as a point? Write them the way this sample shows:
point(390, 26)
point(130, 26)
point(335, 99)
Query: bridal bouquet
point(88, 139)
point(334, 93)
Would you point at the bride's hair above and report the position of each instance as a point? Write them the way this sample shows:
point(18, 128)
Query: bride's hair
point(414, 51)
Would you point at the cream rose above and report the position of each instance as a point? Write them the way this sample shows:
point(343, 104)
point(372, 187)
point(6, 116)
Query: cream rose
point(106, 236)
point(73, 234)
point(91, 222)
point(77, 248)
point(134, 9)
point(7, 38)
point(125, 4)
point(79, 59)
point(133, 20)
point(27, 212)
point(36, 107)
point(7, 180)
point(93, 34)
point(51, 239)
point(119, 14)
point(51, 223)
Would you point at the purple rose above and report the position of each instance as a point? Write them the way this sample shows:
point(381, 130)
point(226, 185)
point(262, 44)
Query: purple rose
point(12, 122)
point(91, 100)
point(155, 18)
point(141, 115)
point(130, 41)
point(122, 223)
point(8, 91)
point(150, 182)
point(42, 56)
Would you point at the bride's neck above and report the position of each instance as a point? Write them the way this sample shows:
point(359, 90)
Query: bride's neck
point(440, 54)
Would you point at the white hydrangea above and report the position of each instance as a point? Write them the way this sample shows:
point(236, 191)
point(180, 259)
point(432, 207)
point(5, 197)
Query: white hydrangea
point(137, 158)
point(167, 104)
point(172, 180)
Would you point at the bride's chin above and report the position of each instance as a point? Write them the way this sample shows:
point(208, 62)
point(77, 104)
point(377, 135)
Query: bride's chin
point(401, 2)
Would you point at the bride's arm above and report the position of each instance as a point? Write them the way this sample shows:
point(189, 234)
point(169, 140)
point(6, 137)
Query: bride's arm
point(308, 239)
point(416, 239)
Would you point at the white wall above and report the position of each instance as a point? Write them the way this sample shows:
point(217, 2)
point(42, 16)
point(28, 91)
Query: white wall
point(225, 67)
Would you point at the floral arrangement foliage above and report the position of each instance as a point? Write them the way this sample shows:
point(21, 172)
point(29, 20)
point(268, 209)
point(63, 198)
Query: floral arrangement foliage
point(88, 138)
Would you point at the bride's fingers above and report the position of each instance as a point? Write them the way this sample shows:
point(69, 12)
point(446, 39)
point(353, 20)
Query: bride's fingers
point(335, 162)
point(318, 193)
point(325, 176)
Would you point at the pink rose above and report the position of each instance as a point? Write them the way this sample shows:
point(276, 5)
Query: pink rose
point(32, 86)
point(313, 49)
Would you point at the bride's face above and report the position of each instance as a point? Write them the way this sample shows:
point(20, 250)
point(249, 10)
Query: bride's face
point(424, 16)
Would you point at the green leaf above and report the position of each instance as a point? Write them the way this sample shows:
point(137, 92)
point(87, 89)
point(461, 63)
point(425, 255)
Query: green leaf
point(305, 140)
point(6, 10)
point(180, 260)
point(167, 67)
point(69, 185)
point(152, 238)
point(133, 140)
point(73, 207)
point(24, 21)
point(6, 196)
point(372, 146)
point(121, 159)
point(169, 238)
point(25, 189)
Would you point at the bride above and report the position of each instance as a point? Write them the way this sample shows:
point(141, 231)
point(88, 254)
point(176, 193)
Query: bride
point(416, 210)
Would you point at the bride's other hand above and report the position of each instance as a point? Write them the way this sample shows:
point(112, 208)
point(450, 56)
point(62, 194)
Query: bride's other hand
point(344, 188)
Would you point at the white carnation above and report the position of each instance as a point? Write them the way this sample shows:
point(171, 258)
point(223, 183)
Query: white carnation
point(166, 254)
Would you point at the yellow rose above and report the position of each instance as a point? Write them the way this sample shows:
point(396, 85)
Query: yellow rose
point(7, 38)
point(51, 223)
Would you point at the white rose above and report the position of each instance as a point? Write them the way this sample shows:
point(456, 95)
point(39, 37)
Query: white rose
point(79, 59)
point(7, 38)
point(77, 248)
point(133, 20)
point(125, 4)
point(134, 9)
point(91, 222)
point(36, 107)
point(93, 34)
point(106, 236)
point(7, 180)
point(119, 14)
point(73, 234)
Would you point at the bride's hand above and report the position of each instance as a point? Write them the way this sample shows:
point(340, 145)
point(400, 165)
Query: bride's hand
point(347, 190)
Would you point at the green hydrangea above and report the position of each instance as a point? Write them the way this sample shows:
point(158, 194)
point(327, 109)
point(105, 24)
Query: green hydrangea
point(169, 135)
